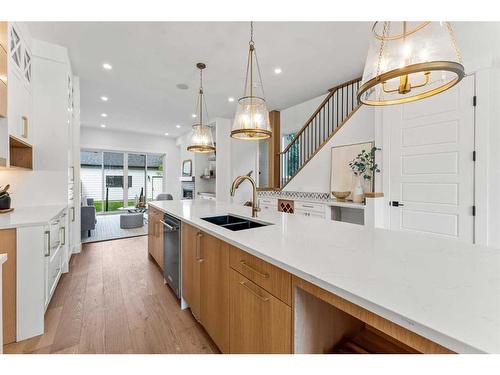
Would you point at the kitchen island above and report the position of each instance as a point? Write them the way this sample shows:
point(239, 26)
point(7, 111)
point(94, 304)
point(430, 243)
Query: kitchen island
point(442, 290)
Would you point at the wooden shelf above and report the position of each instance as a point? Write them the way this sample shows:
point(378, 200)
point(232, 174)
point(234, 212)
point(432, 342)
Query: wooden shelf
point(21, 154)
point(371, 341)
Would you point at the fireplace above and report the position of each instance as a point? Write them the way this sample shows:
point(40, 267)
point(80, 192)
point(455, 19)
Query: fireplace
point(187, 189)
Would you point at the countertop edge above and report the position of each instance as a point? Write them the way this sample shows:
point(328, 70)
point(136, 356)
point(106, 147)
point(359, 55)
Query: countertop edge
point(58, 210)
point(418, 328)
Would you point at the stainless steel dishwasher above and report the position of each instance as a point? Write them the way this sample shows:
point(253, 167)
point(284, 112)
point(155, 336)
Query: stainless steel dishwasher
point(172, 252)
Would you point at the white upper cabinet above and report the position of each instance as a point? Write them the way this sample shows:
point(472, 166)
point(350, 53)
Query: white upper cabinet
point(20, 99)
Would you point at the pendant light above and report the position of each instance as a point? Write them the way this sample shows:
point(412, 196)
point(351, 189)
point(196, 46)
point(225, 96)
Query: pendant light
point(409, 61)
point(252, 118)
point(201, 137)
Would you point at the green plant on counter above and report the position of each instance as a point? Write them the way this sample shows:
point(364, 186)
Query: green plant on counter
point(364, 164)
point(4, 191)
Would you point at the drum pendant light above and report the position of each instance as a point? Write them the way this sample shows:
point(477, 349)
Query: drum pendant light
point(201, 136)
point(251, 121)
point(409, 61)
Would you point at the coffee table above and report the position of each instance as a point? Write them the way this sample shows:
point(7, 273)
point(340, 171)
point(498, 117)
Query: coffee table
point(132, 209)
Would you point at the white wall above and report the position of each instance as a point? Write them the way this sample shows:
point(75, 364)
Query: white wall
point(315, 176)
point(294, 118)
point(114, 140)
point(234, 158)
point(223, 169)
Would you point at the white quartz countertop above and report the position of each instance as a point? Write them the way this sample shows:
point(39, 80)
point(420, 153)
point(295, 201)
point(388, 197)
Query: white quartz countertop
point(3, 259)
point(29, 216)
point(444, 290)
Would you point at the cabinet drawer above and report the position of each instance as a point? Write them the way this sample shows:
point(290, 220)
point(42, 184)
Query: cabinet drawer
point(258, 321)
point(268, 201)
point(271, 278)
point(316, 207)
point(54, 272)
point(310, 213)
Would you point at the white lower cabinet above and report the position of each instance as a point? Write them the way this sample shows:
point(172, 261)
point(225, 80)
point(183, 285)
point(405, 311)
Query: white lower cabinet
point(268, 204)
point(40, 261)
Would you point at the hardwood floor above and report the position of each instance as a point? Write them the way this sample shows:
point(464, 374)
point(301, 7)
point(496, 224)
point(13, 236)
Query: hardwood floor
point(114, 300)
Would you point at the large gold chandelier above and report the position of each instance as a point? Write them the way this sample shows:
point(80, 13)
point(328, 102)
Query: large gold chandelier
point(409, 61)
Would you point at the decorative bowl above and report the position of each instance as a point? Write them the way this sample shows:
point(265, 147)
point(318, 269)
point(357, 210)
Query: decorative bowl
point(341, 195)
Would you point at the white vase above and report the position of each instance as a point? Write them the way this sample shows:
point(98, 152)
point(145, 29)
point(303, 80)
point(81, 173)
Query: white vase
point(357, 193)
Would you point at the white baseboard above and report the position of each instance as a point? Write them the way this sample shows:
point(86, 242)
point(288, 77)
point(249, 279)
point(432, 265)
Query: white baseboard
point(77, 248)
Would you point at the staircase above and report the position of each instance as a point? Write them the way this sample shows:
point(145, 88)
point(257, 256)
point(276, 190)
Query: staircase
point(338, 106)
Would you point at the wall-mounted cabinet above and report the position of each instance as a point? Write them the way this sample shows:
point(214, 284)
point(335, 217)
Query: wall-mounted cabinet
point(3, 69)
point(21, 154)
point(16, 98)
point(19, 88)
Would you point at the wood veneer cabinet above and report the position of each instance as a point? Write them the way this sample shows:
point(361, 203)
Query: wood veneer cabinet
point(8, 246)
point(248, 305)
point(205, 282)
point(155, 235)
point(191, 268)
point(259, 322)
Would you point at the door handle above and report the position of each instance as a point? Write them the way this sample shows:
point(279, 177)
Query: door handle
point(72, 213)
point(396, 204)
point(47, 251)
point(198, 246)
point(63, 230)
point(261, 274)
point(169, 227)
point(262, 298)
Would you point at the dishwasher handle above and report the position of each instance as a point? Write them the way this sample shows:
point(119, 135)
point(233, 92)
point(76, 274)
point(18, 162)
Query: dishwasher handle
point(171, 228)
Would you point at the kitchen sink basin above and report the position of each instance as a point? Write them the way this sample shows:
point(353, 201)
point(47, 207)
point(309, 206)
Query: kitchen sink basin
point(234, 223)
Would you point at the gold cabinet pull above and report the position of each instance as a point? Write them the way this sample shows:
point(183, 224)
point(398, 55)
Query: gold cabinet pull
point(262, 298)
point(24, 119)
point(198, 246)
point(245, 265)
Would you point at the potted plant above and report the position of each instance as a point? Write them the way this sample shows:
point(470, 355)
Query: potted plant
point(363, 166)
point(4, 197)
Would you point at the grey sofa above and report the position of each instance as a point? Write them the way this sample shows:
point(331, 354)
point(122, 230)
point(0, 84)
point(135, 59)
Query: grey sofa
point(89, 220)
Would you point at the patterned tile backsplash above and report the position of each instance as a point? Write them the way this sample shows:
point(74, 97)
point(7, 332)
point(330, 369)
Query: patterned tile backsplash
point(295, 195)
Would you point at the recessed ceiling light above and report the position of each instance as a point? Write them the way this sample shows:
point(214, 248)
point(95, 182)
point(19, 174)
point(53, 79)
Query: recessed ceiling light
point(104, 98)
point(193, 115)
point(166, 133)
point(277, 70)
point(230, 99)
point(107, 66)
point(103, 126)
point(178, 126)
point(182, 86)
point(104, 115)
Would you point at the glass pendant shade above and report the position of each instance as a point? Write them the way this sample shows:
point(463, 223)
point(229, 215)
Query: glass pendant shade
point(409, 61)
point(251, 121)
point(201, 136)
point(201, 139)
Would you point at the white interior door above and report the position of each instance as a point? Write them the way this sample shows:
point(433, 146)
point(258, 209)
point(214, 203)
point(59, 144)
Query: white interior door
point(431, 165)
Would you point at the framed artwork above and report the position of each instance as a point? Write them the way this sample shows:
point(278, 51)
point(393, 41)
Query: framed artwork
point(341, 177)
point(187, 168)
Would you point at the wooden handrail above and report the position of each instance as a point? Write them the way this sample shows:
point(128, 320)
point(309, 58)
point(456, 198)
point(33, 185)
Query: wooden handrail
point(335, 88)
point(320, 107)
point(339, 104)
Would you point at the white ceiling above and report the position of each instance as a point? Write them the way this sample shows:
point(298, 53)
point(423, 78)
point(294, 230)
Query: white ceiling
point(150, 59)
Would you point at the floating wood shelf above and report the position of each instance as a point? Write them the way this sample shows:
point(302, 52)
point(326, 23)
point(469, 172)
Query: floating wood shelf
point(21, 154)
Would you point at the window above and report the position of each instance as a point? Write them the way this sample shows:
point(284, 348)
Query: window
point(103, 175)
